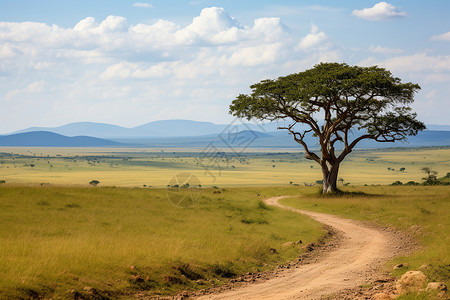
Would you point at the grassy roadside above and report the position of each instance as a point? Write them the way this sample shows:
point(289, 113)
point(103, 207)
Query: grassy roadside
point(61, 242)
point(421, 210)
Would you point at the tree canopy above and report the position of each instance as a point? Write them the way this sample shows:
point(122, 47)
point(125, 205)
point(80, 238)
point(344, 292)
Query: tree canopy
point(338, 103)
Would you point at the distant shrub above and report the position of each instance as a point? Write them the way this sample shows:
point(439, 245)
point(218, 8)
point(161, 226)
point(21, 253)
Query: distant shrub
point(2, 181)
point(412, 183)
point(94, 182)
point(397, 183)
point(319, 181)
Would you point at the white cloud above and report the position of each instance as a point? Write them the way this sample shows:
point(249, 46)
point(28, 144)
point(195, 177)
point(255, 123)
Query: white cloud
point(7, 51)
point(126, 70)
point(142, 5)
point(383, 50)
point(113, 24)
point(36, 87)
point(442, 37)
point(85, 24)
point(212, 21)
point(255, 55)
point(419, 66)
point(313, 39)
point(419, 62)
point(269, 30)
point(380, 11)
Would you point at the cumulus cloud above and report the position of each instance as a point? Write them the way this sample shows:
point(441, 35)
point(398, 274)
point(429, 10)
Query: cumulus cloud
point(255, 55)
point(313, 39)
point(99, 63)
point(91, 41)
point(442, 37)
point(142, 5)
point(380, 11)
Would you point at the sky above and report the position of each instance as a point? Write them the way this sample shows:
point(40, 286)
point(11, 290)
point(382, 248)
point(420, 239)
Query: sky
point(133, 62)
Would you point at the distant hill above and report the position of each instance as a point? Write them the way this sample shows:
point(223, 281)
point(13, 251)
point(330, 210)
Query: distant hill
point(187, 133)
point(279, 139)
point(100, 130)
point(438, 127)
point(166, 128)
point(50, 139)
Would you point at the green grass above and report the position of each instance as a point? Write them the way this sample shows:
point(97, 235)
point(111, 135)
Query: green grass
point(55, 241)
point(422, 211)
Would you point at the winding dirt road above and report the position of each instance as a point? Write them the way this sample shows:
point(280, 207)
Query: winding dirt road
point(361, 251)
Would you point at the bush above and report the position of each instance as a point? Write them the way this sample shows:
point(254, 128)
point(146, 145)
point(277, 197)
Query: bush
point(397, 183)
point(412, 183)
point(94, 182)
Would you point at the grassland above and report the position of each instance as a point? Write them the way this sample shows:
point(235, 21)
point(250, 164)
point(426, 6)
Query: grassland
point(156, 167)
point(423, 211)
point(58, 235)
point(56, 241)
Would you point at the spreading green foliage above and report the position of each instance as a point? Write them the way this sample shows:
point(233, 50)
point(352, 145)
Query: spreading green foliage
point(339, 104)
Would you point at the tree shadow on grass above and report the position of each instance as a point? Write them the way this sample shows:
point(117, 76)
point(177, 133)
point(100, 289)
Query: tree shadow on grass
point(346, 194)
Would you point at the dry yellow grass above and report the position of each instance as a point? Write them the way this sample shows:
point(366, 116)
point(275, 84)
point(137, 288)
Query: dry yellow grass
point(153, 167)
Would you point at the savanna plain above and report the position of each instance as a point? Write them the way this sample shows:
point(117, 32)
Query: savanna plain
point(107, 223)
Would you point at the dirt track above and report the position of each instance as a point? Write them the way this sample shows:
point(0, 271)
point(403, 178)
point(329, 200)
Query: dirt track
point(361, 251)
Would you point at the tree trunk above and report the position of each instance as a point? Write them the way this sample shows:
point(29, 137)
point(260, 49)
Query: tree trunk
point(330, 178)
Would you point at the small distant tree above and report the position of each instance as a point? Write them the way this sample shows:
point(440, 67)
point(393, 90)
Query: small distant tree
point(402, 169)
point(341, 180)
point(94, 182)
point(32, 165)
point(431, 175)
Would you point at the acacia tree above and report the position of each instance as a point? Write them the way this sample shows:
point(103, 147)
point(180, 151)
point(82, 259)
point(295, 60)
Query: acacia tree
point(340, 105)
